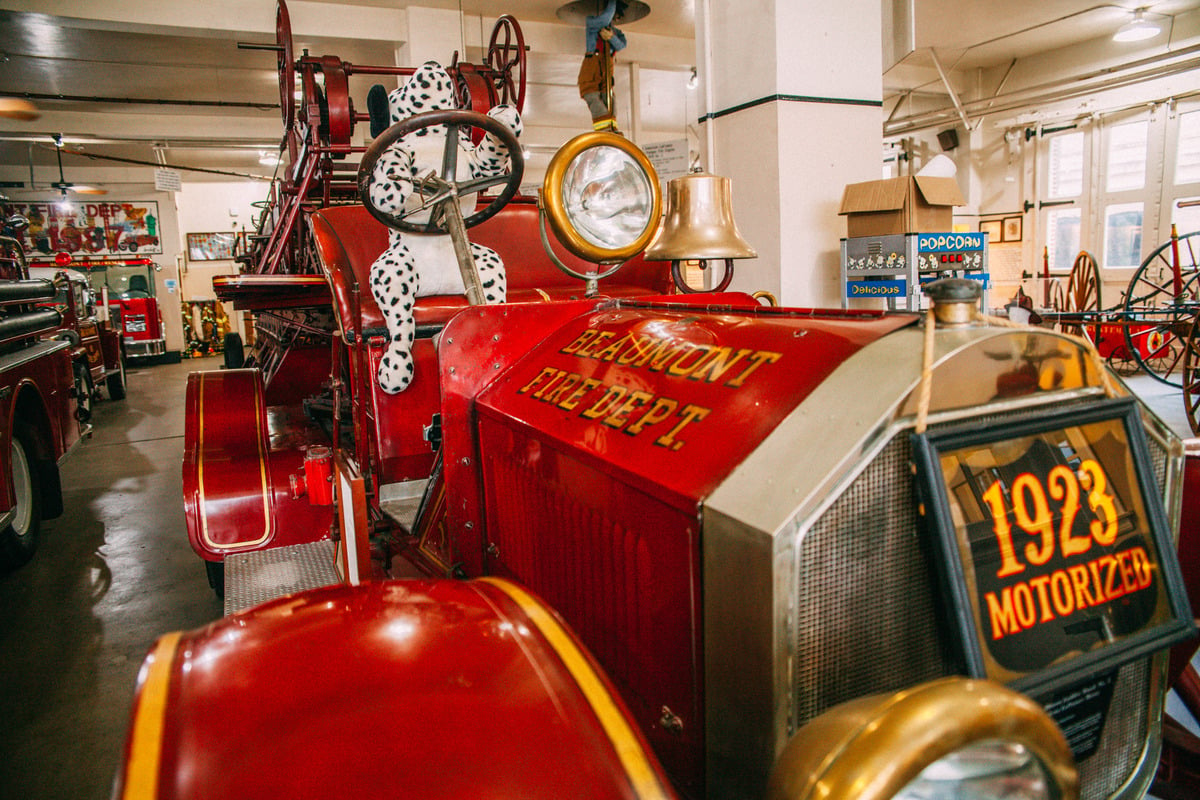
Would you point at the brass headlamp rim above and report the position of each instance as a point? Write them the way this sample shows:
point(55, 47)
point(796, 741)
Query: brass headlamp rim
point(556, 211)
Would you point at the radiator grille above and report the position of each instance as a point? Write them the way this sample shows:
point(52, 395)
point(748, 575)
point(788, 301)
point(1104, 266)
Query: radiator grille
point(867, 620)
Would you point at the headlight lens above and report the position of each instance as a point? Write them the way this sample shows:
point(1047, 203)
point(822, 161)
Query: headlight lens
point(987, 770)
point(607, 197)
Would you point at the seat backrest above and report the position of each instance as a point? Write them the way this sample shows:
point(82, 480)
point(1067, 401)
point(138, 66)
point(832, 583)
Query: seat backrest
point(349, 240)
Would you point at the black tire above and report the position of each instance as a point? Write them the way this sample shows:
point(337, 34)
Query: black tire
point(216, 577)
point(19, 539)
point(84, 392)
point(115, 382)
point(235, 353)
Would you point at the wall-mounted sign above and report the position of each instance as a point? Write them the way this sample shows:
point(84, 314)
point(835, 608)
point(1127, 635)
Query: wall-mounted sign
point(1054, 545)
point(87, 228)
point(214, 246)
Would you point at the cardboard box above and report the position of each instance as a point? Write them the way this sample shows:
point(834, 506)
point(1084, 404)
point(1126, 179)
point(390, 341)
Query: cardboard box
point(921, 204)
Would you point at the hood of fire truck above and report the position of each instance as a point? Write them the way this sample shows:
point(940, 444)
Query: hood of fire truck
point(721, 500)
point(742, 410)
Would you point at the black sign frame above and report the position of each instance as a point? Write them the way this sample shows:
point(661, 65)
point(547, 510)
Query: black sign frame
point(950, 543)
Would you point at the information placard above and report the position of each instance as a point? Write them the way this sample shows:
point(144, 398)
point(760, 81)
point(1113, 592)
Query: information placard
point(1053, 543)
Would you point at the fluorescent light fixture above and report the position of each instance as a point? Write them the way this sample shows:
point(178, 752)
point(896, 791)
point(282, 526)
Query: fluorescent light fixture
point(1136, 29)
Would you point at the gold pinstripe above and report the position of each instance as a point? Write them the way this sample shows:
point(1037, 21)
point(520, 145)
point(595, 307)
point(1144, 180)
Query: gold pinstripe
point(633, 757)
point(145, 747)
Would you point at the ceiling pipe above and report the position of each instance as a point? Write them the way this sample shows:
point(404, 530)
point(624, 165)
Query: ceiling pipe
point(1062, 89)
point(937, 62)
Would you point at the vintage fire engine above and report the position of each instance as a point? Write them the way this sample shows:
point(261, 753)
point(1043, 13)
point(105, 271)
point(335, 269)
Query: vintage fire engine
point(712, 548)
point(132, 303)
point(39, 421)
point(96, 348)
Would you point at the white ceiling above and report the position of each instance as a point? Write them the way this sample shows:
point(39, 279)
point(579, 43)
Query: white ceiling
point(208, 102)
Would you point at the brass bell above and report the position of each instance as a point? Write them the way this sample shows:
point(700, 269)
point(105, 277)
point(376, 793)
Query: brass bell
point(698, 222)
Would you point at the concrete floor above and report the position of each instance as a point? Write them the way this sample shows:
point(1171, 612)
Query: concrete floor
point(114, 573)
point(110, 576)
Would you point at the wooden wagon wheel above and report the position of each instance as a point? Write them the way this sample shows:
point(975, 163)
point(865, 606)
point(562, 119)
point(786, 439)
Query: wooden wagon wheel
point(1160, 303)
point(1084, 290)
point(506, 59)
point(286, 61)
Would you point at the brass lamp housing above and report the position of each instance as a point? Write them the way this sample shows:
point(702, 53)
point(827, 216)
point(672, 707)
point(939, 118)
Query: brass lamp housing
point(873, 747)
point(555, 207)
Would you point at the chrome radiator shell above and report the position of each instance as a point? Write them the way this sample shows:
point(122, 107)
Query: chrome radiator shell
point(816, 586)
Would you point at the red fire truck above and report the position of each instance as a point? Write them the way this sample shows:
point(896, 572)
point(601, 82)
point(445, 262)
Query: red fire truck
point(615, 541)
point(133, 306)
point(96, 349)
point(40, 422)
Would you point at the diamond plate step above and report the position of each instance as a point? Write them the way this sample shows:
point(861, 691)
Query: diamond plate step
point(254, 578)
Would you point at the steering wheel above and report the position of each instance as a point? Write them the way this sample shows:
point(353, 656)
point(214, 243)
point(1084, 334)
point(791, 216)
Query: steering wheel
point(444, 186)
point(505, 58)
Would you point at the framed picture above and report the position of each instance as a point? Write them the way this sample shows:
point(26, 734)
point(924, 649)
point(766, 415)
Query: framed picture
point(1011, 231)
point(212, 246)
point(992, 228)
point(1053, 545)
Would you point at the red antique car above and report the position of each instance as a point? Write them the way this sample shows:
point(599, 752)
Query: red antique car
point(40, 423)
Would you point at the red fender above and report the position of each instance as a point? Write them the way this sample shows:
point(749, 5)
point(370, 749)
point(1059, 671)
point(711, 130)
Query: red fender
point(431, 689)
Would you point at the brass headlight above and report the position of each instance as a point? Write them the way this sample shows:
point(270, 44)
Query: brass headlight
point(602, 198)
point(952, 738)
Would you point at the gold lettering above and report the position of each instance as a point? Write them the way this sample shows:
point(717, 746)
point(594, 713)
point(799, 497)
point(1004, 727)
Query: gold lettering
point(611, 396)
point(546, 371)
point(610, 352)
point(569, 381)
point(690, 414)
point(716, 363)
point(577, 395)
point(1060, 592)
point(663, 407)
point(600, 338)
point(580, 341)
point(1023, 604)
point(679, 370)
point(757, 360)
point(619, 418)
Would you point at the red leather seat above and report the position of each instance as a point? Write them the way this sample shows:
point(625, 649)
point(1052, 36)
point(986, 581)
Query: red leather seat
point(349, 240)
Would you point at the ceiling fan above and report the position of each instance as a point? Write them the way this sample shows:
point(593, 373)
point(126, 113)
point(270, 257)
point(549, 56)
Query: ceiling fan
point(62, 185)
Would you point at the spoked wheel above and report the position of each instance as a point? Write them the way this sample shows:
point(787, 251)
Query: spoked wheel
point(85, 392)
point(1191, 376)
point(1159, 306)
point(286, 62)
point(506, 58)
point(1084, 289)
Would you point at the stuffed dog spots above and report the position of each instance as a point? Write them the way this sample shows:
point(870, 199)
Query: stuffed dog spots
point(419, 265)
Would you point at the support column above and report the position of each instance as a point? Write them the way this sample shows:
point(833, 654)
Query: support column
point(793, 113)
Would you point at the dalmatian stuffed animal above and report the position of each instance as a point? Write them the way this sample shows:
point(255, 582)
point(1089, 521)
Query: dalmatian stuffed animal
point(420, 265)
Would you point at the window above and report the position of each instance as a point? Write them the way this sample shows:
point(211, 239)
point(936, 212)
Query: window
point(1066, 166)
point(1127, 156)
point(1187, 160)
point(1123, 235)
point(1062, 238)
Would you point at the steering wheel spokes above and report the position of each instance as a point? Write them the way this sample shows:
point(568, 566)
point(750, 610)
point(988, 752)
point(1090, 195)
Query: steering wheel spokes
point(437, 189)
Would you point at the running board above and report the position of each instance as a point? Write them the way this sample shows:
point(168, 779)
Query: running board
point(262, 575)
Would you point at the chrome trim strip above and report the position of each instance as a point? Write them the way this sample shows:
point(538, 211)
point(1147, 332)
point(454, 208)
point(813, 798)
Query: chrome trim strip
point(32, 353)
